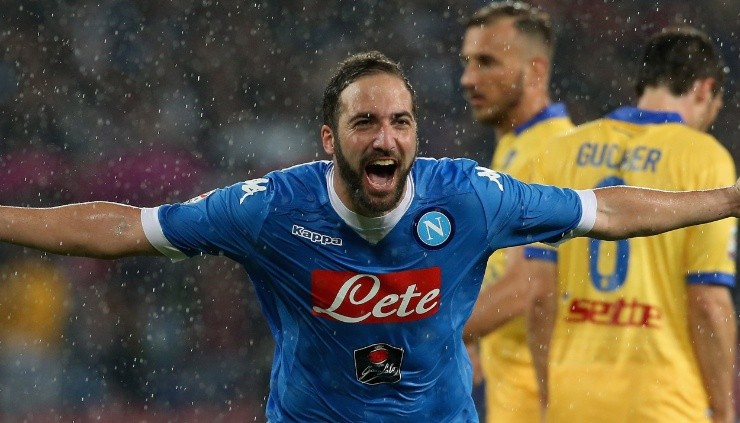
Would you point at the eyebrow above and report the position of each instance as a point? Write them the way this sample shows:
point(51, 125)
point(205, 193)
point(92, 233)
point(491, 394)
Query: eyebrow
point(479, 57)
point(403, 114)
point(366, 115)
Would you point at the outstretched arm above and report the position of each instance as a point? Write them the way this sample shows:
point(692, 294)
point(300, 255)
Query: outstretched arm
point(625, 212)
point(97, 229)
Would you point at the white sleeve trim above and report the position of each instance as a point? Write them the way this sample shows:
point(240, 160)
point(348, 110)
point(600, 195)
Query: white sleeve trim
point(153, 232)
point(588, 218)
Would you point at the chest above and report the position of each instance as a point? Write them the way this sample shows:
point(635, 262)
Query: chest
point(408, 275)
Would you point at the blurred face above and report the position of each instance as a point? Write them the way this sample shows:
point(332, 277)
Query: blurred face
point(374, 144)
point(494, 71)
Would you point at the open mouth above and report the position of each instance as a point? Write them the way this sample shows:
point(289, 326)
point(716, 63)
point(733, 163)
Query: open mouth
point(381, 173)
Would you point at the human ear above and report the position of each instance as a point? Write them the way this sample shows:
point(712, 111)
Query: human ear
point(540, 67)
point(327, 139)
point(704, 89)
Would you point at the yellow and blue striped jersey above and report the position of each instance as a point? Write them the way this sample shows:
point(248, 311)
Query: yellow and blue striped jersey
point(621, 350)
point(511, 389)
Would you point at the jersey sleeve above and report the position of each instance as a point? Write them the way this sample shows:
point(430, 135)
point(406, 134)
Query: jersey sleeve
point(521, 213)
point(224, 221)
point(547, 250)
point(711, 247)
point(539, 170)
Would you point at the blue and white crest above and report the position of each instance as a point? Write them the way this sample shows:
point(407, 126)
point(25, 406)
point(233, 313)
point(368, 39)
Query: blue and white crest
point(433, 228)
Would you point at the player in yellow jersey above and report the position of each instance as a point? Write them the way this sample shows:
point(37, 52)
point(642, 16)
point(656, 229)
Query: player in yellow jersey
point(507, 51)
point(644, 329)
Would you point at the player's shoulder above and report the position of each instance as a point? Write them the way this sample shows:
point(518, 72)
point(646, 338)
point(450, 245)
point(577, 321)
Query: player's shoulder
point(676, 132)
point(300, 176)
point(682, 144)
point(306, 181)
point(305, 172)
point(433, 171)
point(552, 119)
point(564, 142)
point(446, 177)
point(444, 163)
point(547, 130)
point(587, 129)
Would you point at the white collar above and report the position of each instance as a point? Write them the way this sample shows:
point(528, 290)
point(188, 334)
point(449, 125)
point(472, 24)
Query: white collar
point(372, 229)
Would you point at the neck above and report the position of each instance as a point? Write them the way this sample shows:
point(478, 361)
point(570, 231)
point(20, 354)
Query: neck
point(662, 100)
point(527, 109)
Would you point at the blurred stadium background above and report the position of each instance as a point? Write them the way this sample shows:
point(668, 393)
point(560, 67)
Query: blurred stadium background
point(146, 102)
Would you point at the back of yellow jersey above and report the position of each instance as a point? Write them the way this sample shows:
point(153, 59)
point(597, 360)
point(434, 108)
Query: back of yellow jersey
point(622, 321)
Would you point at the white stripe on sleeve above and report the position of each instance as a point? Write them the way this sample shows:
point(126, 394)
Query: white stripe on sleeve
point(588, 218)
point(153, 232)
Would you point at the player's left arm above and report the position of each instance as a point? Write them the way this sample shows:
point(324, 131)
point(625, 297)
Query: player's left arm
point(713, 333)
point(625, 212)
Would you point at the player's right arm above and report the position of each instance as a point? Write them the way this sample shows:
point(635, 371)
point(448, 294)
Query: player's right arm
point(95, 229)
point(540, 317)
point(501, 300)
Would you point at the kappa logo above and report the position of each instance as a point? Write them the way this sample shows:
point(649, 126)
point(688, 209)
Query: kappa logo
point(315, 236)
point(433, 228)
point(252, 187)
point(492, 175)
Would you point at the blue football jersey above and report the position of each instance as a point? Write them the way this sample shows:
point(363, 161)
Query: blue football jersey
point(367, 330)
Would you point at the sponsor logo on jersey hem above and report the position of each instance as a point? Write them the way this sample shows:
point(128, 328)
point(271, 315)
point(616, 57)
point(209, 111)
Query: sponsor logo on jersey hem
point(378, 363)
point(315, 236)
point(433, 228)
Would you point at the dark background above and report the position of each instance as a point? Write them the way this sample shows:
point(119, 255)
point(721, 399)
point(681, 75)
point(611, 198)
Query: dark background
point(148, 102)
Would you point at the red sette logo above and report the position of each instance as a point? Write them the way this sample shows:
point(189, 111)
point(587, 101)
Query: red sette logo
point(363, 298)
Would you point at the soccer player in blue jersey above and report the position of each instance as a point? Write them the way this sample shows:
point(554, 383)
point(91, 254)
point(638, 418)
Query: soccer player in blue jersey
point(506, 52)
point(366, 266)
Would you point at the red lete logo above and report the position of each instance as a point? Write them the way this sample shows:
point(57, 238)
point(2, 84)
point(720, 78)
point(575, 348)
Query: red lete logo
point(364, 298)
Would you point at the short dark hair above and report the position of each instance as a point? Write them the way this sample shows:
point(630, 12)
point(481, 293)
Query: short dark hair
point(351, 69)
point(529, 20)
point(678, 56)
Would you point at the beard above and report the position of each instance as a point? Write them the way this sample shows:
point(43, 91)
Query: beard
point(363, 202)
point(500, 113)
